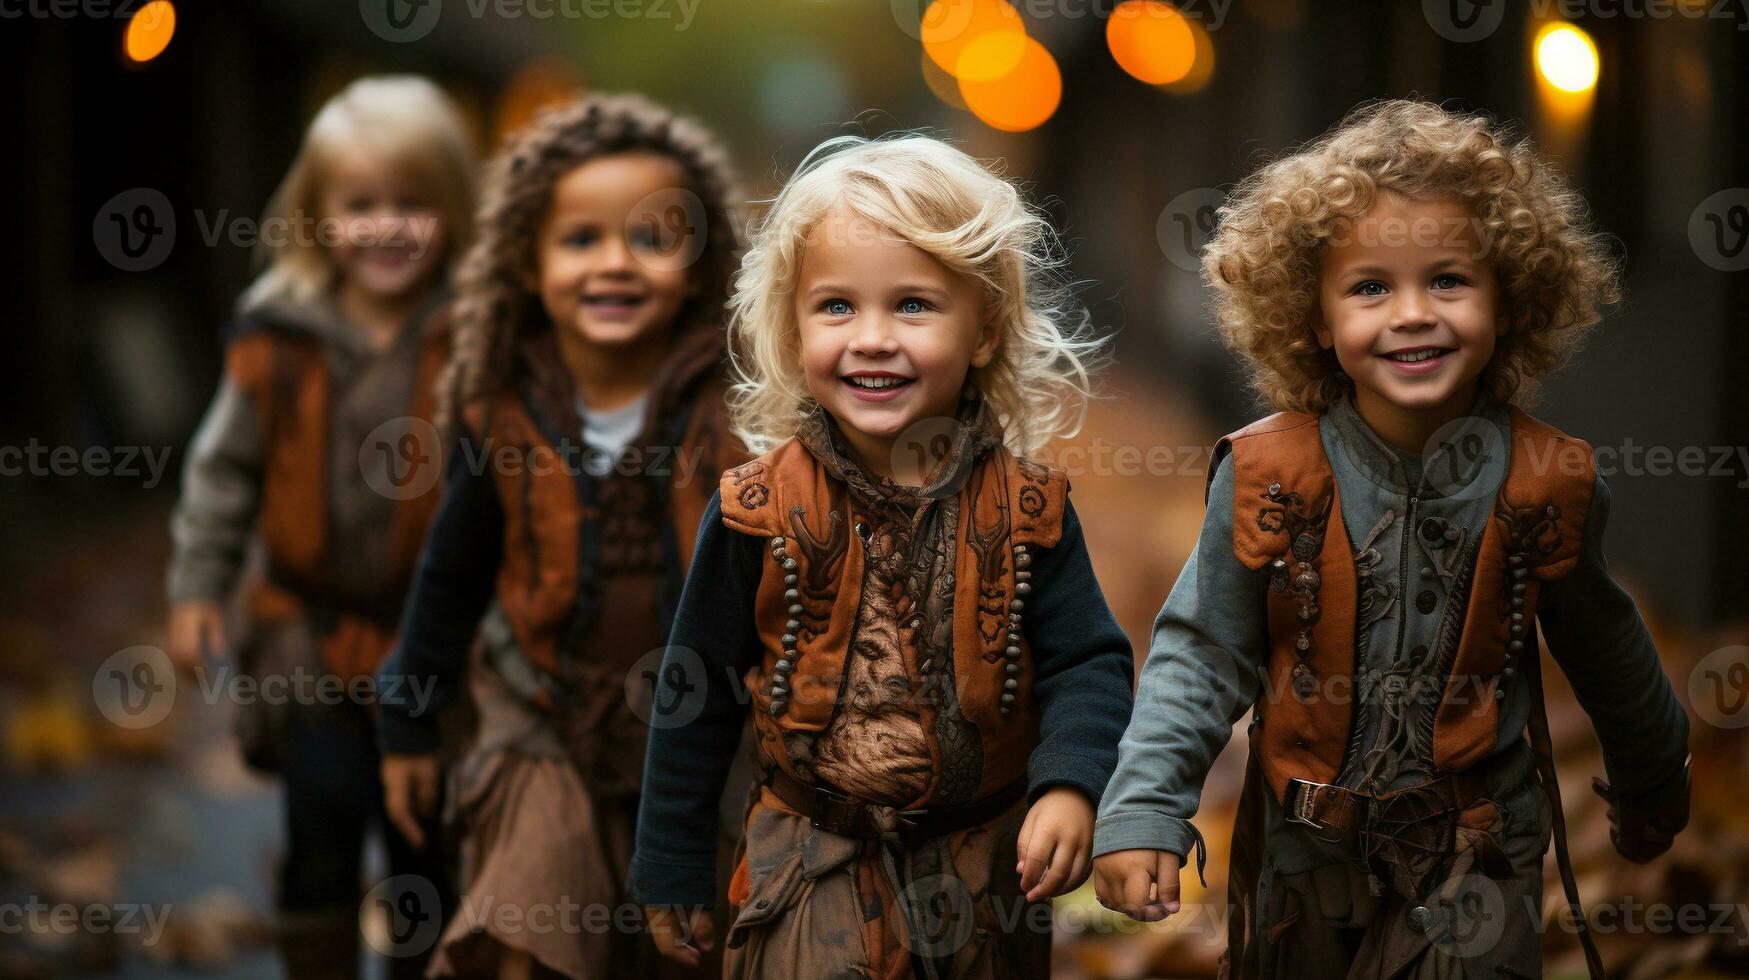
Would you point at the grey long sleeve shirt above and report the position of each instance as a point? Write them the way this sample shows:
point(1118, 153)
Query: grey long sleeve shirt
point(1412, 520)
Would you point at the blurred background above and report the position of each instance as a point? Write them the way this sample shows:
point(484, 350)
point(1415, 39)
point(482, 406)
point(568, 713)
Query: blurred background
point(1126, 122)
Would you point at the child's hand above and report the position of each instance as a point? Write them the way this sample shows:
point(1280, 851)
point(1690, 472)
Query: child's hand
point(194, 622)
point(680, 934)
point(410, 792)
point(1056, 843)
point(1140, 883)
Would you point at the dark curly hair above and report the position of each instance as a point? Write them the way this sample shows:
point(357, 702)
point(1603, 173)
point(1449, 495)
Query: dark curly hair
point(494, 309)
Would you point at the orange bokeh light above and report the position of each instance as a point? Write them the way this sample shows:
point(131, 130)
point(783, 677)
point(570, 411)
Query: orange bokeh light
point(1151, 40)
point(950, 26)
point(1021, 99)
point(149, 31)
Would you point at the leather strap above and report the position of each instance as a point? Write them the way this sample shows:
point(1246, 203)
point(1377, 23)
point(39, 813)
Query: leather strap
point(1543, 746)
point(852, 816)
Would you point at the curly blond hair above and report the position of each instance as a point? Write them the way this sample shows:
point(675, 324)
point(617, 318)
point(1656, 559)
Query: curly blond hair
point(944, 202)
point(1555, 270)
point(495, 308)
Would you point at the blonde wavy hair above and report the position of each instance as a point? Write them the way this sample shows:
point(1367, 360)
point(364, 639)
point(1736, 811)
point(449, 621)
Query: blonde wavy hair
point(971, 220)
point(1555, 270)
point(407, 122)
point(495, 307)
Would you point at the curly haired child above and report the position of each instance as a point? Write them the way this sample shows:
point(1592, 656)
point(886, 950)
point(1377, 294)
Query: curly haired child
point(1375, 561)
point(338, 342)
point(586, 393)
point(936, 682)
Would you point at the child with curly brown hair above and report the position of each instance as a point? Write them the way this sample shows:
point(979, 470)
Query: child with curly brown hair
point(587, 395)
point(1375, 561)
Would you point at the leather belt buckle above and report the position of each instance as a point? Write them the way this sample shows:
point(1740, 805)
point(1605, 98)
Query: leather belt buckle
point(1301, 798)
point(825, 802)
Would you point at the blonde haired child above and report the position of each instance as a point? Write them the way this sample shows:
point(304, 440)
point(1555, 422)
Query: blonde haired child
point(936, 683)
point(343, 333)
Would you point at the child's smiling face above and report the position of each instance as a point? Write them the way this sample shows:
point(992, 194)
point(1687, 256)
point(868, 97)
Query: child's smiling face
point(613, 270)
point(888, 333)
point(1409, 302)
point(390, 232)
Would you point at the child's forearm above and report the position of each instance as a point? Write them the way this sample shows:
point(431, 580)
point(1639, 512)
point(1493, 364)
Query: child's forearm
point(1083, 670)
point(221, 492)
point(1596, 634)
point(453, 585)
point(1199, 678)
point(698, 711)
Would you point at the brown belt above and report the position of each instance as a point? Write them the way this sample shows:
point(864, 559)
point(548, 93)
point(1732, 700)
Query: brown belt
point(850, 816)
point(1338, 815)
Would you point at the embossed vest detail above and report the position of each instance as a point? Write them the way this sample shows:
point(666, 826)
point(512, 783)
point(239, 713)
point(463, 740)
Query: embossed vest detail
point(812, 588)
point(1287, 518)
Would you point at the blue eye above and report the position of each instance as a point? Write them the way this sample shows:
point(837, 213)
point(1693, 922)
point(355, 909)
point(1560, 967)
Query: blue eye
point(836, 307)
point(1372, 287)
point(582, 238)
point(912, 306)
point(1449, 280)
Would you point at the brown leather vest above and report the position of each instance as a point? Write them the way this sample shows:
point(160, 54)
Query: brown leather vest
point(1287, 517)
point(550, 528)
point(286, 376)
point(806, 516)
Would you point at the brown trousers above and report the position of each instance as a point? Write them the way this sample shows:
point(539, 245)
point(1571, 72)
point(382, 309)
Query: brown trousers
point(811, 903)
point(1326, 923)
